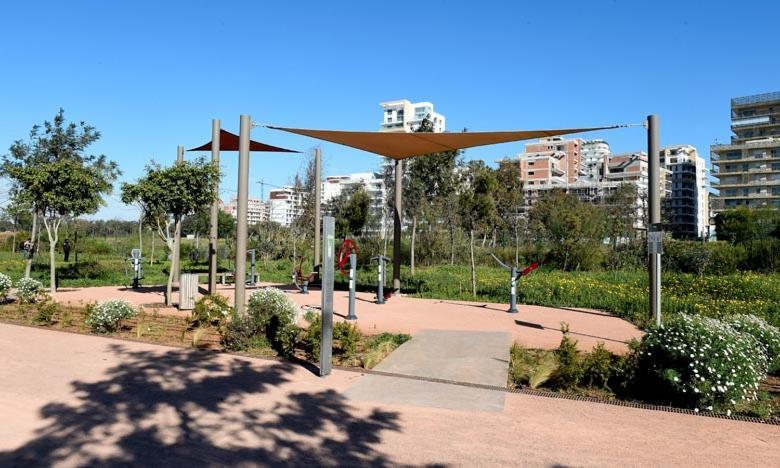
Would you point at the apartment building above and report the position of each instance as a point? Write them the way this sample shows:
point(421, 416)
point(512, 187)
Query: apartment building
point(257, 210)
point(373, 184)
point(593, 154)
point(749, 166)
point(405, 116)
point(551, 161)
point(285, 204)
point(687, 209)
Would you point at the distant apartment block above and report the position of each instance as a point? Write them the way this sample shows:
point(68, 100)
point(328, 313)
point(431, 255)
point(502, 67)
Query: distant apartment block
point(749, 166)
point(373, 184)
point(284, 205)
point(553, 160)
point(593, 155)
point(257, 210)
point(687, 210)
point(405, 116)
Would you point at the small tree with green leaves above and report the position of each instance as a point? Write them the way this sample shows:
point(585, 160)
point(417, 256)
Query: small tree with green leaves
point(477, 207)
point(167, 194)
point(351, 210)
point(52, 174)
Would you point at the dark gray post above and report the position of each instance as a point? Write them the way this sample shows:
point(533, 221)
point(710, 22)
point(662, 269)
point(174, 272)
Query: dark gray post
point(380, 281)
point(241, 214)
point(326, 342)
point(214, 216)
point(654, 229)
point(176, 254)
point(317, 202)
point(352, 270)
point(513, 291)
point(397, 219)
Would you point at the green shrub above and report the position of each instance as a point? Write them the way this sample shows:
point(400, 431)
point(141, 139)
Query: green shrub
point(29, 290)
point(45, 311)
point(107, 316)
point(270, 320)
point(380, 346)
point(700, 362)
point(5, 286)
point(766, 334)
point(597, 367)
point(570, 368)
point(212, 309)
point(313, 335)
point(530, 367)
point(346, 338)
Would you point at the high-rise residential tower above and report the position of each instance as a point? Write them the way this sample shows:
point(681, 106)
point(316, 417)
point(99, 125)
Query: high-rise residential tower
point(405, 116)
point(749, 166)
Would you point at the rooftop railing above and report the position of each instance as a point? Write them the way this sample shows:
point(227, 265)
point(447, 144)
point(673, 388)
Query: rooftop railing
point(756, 99)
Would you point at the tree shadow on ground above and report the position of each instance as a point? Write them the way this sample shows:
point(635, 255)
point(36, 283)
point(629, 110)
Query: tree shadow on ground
point(180, 407)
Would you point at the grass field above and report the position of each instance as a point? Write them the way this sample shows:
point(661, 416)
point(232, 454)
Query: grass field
point(623, 293)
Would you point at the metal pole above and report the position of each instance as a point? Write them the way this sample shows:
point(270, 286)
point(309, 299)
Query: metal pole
point(241, 213)
point(326, 343)
point(654, 214)
point(513, 291)
point(352, 269)
point(317, 202)
point(214, 216)
point(397, 217)
point(176, 254)
point(380, 280)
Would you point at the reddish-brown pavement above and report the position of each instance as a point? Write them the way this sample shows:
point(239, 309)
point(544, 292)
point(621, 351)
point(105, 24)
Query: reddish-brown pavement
point(533, 326)
point(70, 400)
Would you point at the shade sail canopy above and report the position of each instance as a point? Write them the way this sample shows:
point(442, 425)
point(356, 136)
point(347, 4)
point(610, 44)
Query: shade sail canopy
point(229, 142)
point(407, 145)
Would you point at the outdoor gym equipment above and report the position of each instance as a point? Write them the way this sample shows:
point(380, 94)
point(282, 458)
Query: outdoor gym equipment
point(381, 261)
point(348, 252)
point(300, 280)
point(252, 280)
point(135, 261)
point(513, 277)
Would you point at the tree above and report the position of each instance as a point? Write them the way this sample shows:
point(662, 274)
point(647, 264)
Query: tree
point(57, 179)
point(199, 222)
point(573, 228)
point(350, 209)
point(428, 180)
point(167, 194)
point(477, 207)
point(741, 225)
point(621, 213)
point(509, 199)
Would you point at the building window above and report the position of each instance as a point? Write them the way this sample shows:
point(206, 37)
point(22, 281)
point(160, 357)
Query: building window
point(530, 173)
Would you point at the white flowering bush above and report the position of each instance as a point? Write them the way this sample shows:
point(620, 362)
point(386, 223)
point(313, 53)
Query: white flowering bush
point(5, 286)
point(29, 290)
point(106, 317)
point(764, 333)
point(269, 321)
point(701, 363)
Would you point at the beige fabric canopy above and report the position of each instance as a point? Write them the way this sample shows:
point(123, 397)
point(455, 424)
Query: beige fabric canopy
point(407, 145)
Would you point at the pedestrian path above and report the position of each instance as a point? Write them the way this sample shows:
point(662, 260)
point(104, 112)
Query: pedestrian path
point(470, 357)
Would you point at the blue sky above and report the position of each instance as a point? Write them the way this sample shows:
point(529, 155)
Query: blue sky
point(152, 75)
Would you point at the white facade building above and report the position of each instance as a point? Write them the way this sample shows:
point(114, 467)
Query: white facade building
point(593, 155)
point(687, 209)
point(372, 183)
point(404, 116)
point(284, 205)
point(257, 210)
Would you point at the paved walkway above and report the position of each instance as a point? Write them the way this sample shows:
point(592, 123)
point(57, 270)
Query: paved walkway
point(534, 326)
point(460, 356)
point(69, 400)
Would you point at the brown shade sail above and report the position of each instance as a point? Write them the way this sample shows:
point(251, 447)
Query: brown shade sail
point(398, 145)
point(229, 142)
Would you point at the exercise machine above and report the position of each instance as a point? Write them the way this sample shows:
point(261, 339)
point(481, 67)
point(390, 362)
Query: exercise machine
point(135, 263)
point(252, 280)
point(348, 252)
point(514, 275)
point(381, 296)
point(301, 280)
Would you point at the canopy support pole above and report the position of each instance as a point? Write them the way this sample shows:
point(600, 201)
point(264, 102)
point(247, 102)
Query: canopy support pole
point(317, 203)
point(214, 215)
point(397, 217)
point(241, 215)
point(654, 221)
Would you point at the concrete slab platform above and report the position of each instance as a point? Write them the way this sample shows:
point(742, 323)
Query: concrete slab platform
point(455, 355)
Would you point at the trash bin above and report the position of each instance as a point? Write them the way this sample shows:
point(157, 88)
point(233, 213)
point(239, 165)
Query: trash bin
point(188, 291)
